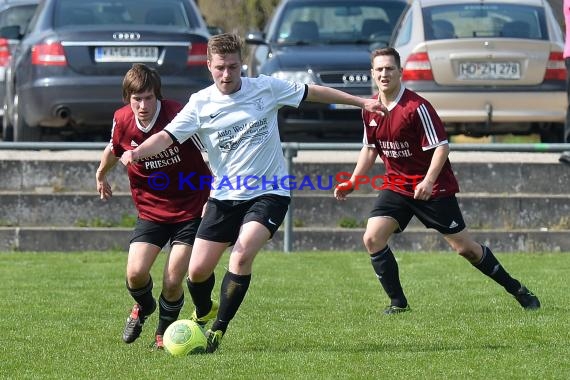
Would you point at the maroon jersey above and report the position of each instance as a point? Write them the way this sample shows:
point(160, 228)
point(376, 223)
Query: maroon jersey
point(405, 140)
point(171, 186)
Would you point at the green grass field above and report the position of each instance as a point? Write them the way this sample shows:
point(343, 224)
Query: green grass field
point(307, 316)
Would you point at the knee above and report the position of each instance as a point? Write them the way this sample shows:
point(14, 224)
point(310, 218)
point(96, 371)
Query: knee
point(137, 278)
point(373, 242)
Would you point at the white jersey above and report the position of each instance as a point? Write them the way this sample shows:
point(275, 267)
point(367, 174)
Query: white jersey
point(240, 134)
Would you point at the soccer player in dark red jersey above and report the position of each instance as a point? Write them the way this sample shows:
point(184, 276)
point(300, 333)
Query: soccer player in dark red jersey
point(168, 196)
point(412, 143)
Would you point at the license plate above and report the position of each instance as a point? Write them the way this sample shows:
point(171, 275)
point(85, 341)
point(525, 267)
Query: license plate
point(126, 54)
point(489, 70)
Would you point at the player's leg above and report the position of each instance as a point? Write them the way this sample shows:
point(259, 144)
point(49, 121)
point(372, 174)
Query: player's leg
point(171, 298)
point(219, 227)
point(139, 285)
point(261, 219)
point(389, 214)
point(482, 258)
point(201, 278)
point(444, 215)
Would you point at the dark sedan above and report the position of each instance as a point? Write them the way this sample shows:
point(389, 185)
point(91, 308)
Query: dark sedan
point(67, 72)
point(327, 42)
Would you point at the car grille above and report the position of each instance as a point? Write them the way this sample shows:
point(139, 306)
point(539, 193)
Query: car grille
point(346, 78)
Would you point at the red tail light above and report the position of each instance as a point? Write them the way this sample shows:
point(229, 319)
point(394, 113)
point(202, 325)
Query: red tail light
point(4, 52)
point(555, 67)
point(417, 67)
point(51, 54)
point(197, 54)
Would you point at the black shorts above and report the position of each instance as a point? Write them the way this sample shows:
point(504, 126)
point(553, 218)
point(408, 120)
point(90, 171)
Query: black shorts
point(441, 214)
point(160, 233)
point(224, 218)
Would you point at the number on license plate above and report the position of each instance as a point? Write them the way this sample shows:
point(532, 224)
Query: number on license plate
point(489, 70)
point(126, 54)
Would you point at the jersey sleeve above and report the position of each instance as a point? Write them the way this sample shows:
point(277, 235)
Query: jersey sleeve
point(115, 142)
point(432, 128)
point(286, 93)
point(185, 123)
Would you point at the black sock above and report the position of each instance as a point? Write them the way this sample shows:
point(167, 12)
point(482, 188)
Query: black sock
point(386, 268)
point(201, 293)
point(490, 266)
point(232, 293)
point(143, 296)
point(168, 312)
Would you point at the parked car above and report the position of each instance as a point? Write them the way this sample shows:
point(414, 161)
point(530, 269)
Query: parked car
point(67, 71)
point(488, 67)
point(14, 18)
point(327, 42)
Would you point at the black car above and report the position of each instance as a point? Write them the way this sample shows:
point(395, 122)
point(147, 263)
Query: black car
point(14, 18)
point(327, 42)
point(67, 72)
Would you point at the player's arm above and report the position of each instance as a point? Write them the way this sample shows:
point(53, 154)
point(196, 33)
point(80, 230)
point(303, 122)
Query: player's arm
point(424, 188)
point(323, 94)
point(153, 145)
point(366, 159)
point(108, 161)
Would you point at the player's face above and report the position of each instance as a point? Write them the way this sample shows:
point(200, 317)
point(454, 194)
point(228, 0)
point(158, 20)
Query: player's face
point(226, 71)
point(386, 74)
point(144, 106)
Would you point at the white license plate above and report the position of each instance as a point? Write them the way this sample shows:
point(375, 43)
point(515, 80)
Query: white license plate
point(126, 54)
point(489, 70)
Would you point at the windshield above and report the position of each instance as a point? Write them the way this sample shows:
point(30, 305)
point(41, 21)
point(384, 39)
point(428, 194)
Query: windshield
point(167, 13)
point(485, 20)
point(323, 22)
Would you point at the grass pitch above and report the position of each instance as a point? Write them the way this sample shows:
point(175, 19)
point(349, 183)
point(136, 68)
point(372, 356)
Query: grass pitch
point(307, 316)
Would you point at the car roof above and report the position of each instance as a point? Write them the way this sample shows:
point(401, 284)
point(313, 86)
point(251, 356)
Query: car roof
point(9, 3)
point(343, 2)
point(427, 3)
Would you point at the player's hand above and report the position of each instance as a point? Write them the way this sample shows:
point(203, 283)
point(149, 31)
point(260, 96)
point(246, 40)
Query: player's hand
point(423, 190)
point(104, 189)
point(376, 106)
point(342, 190)
point(127, 158)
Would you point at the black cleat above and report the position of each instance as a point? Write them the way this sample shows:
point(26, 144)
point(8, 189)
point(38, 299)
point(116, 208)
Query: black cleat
point(214, 339)
point(527, 299)
point(392, 309)
point(135, 321)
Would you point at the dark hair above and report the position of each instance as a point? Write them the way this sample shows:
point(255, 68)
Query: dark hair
point(225, 43)
point(141, 78)
point(386, 51)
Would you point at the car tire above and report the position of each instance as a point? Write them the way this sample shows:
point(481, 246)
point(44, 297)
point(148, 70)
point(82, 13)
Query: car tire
point(21, 130)
point(7, 128)
point(552, 133)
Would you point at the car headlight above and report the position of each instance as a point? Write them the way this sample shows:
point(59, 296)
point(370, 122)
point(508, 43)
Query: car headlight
point(305, 77)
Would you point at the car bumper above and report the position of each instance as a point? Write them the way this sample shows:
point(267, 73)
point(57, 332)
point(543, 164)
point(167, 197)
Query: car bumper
point(87, 103)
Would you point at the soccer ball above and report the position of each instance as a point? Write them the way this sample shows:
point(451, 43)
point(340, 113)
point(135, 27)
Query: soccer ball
point(184, 337)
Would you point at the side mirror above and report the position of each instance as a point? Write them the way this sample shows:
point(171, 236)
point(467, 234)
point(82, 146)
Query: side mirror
point(214, 30)
point(10, 32)
point(255, 38)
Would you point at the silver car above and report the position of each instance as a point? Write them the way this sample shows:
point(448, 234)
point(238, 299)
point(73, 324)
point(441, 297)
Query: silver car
point(488, 67)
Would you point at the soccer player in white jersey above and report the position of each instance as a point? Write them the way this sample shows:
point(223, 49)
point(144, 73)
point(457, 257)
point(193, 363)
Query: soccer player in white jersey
point(236, 120)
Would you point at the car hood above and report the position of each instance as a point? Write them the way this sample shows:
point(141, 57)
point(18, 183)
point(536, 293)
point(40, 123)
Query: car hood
point(318, 57)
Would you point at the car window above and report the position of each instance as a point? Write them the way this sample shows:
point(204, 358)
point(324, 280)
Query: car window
point(19, 15)
point(125, 12)
point(484, 20)
point(333, 23)
point(404, 33)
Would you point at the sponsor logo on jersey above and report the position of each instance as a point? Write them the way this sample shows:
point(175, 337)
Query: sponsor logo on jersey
point(133, 143)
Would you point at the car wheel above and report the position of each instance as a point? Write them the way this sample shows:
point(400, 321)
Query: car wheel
point(7, 128)
point(552, 133)
point(22, 131)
